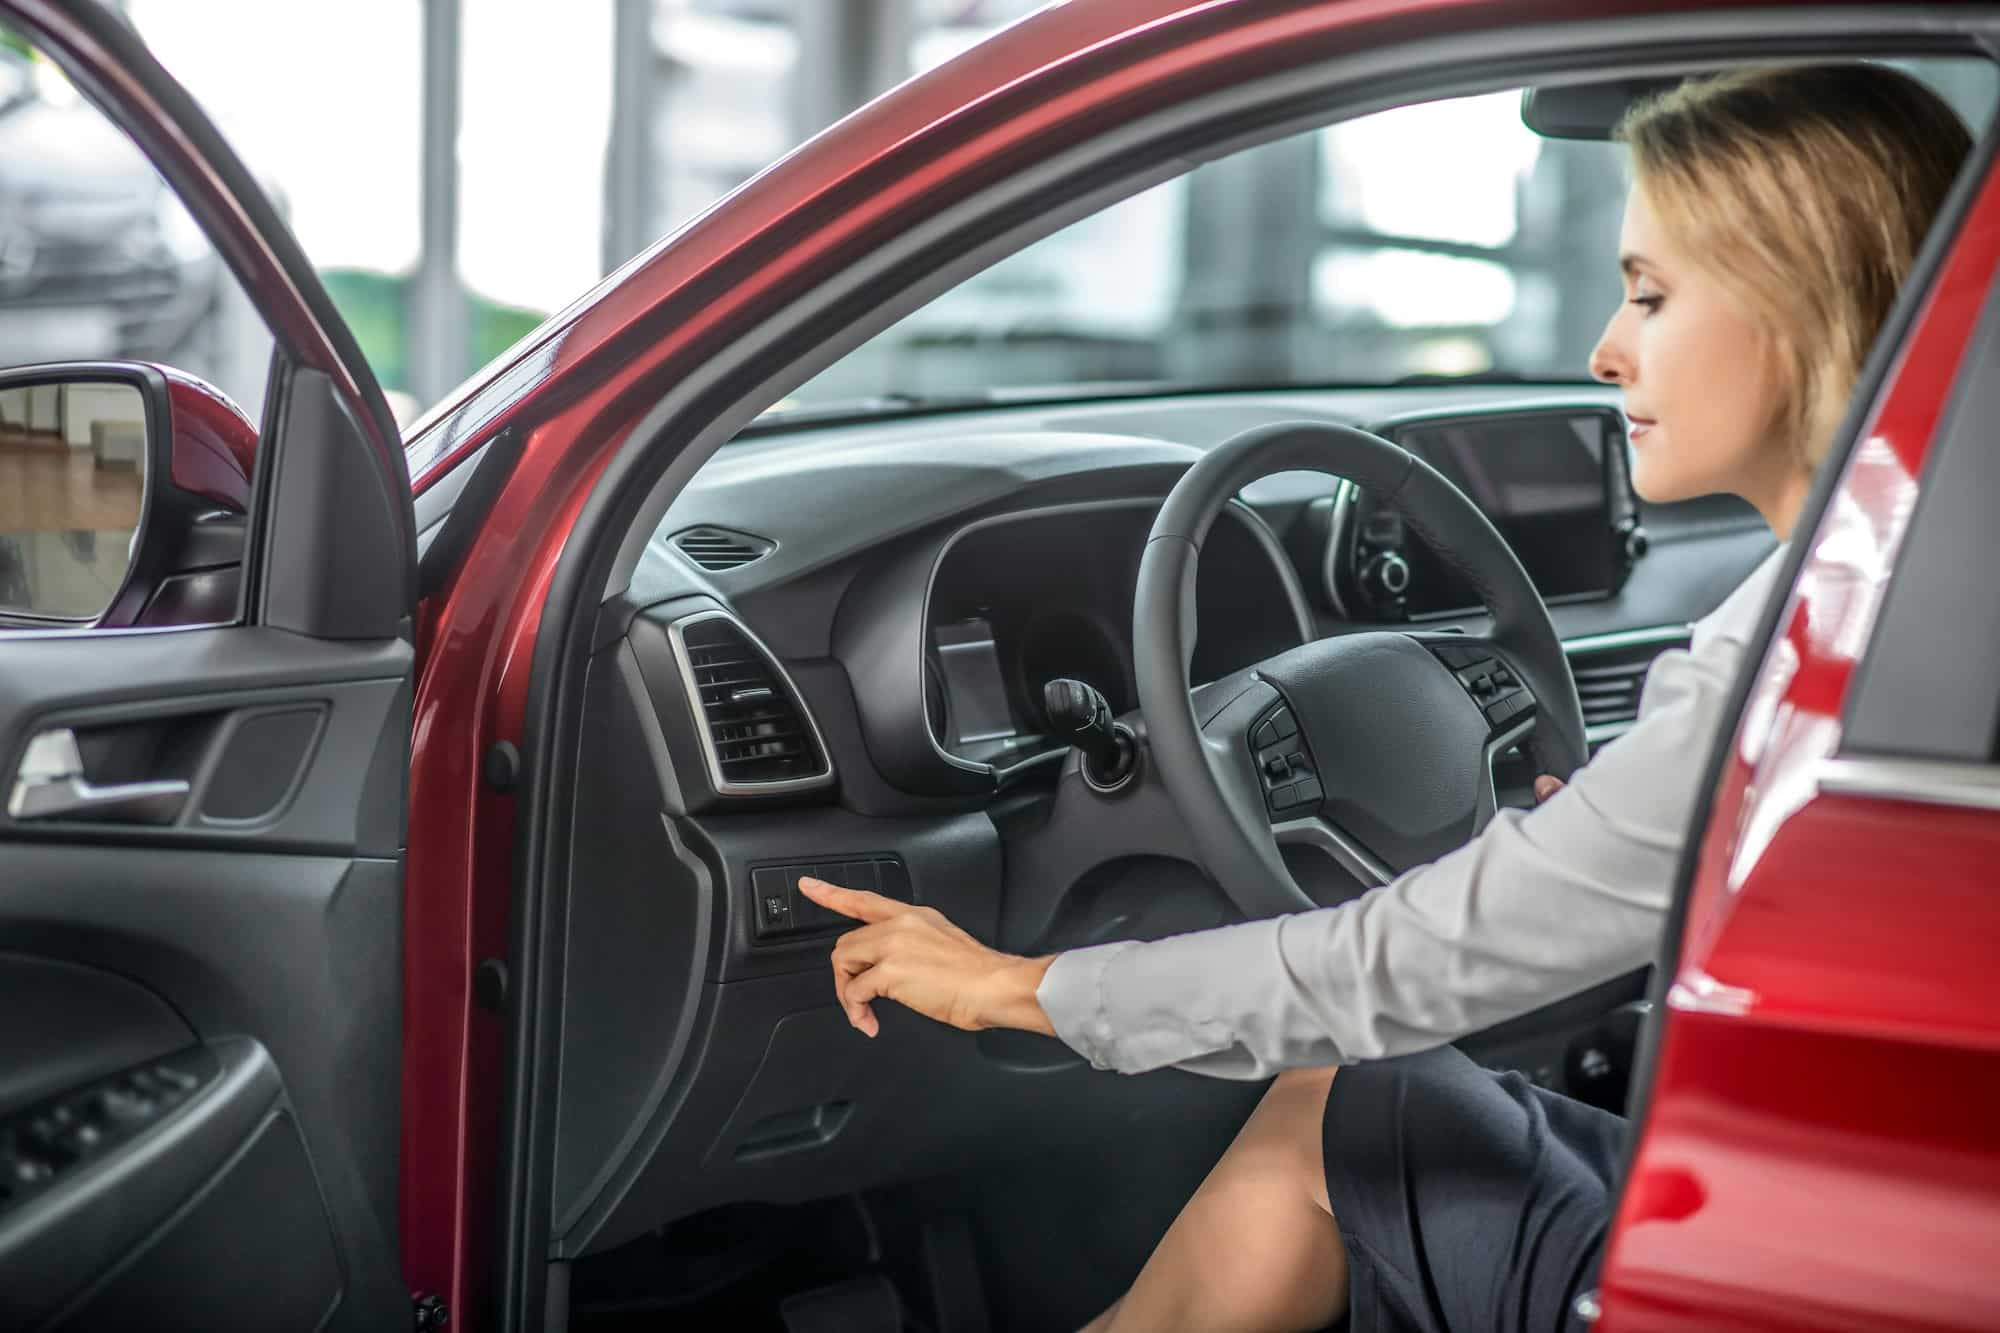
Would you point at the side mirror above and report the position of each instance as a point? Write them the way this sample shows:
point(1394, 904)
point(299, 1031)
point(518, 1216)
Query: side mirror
point(124, 495)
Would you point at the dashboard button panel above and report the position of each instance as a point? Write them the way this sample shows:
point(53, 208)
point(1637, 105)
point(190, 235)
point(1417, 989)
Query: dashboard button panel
point(780, 912)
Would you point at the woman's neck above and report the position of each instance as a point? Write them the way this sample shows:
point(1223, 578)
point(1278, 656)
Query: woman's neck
point(1781, 500)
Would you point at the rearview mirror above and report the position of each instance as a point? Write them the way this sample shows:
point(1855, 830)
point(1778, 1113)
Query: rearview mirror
point(1586, 110)
point(124, 489)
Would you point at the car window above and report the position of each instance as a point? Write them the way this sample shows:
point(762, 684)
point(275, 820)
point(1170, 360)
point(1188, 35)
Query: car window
point(1442, 239)
point(1928, 687)
point(100, 264)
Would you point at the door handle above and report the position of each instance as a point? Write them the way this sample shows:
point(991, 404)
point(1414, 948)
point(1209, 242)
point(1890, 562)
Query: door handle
point(51, 785)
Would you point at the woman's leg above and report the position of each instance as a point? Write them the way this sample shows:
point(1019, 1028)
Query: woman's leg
point(1256, 1247)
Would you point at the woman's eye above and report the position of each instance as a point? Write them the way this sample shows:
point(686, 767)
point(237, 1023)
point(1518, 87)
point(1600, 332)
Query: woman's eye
point(1649, 302)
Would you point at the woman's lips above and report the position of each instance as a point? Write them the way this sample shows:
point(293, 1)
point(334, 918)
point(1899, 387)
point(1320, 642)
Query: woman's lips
point(1638, 426)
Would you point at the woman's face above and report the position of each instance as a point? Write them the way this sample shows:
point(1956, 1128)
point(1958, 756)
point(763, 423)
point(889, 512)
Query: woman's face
point(1700, 381)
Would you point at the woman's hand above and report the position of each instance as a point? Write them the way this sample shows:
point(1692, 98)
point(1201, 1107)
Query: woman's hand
point(1545, 787)
point(912, 955)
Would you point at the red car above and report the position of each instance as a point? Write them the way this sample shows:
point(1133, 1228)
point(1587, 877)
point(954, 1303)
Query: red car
point(393, 913)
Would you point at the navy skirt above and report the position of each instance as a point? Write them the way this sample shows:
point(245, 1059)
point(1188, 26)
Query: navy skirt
point(1467, 1199)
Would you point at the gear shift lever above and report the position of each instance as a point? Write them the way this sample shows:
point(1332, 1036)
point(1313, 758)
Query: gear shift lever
point(1079, 714)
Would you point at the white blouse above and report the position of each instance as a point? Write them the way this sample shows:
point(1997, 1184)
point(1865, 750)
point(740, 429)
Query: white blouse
point(1542, 904)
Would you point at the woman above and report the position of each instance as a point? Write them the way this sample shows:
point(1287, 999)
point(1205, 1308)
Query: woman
point(1772, 216)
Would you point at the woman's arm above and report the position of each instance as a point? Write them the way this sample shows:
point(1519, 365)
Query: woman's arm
point(1542, 904)
point(916, 957)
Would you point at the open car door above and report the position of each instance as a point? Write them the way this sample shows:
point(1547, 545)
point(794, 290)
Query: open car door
point(201, 838)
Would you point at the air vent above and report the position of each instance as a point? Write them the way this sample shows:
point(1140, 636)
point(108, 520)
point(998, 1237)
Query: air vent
point(718, 550)
point(1610, 694)
point(760, 736)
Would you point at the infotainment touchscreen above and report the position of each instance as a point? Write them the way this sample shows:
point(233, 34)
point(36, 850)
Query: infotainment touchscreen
point(1553, 483)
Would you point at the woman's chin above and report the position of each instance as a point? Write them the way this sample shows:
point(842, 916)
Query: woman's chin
point(1661, 486)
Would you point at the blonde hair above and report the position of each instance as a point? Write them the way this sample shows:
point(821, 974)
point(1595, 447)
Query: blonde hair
point(1809, 189)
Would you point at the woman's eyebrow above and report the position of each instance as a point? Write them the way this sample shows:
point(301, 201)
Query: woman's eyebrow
point(1630, 263)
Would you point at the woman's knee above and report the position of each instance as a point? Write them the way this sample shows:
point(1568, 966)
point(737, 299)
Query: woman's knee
point(1298, 1095)
point(1287, 1126)
point(1304, 1082)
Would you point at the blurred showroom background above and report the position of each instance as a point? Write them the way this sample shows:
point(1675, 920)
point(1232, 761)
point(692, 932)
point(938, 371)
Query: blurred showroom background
point(458, 170)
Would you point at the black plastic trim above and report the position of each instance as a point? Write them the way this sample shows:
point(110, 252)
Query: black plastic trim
point(487, 475)
point(335, 542)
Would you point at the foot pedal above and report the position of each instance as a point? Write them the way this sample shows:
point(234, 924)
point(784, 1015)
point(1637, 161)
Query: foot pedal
point(859, 1305)
point(951, 1262)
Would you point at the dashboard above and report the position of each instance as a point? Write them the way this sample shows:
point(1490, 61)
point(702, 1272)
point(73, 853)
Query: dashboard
point(830, 655)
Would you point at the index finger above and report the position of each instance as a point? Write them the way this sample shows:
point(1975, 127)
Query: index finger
point(857, 903)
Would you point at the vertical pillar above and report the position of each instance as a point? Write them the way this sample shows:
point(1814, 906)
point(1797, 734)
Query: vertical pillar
point(437, 351)
point(849, 51)
point(631, 159)
point(1252, 232)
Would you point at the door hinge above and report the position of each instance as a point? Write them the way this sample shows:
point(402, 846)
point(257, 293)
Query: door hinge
point(429, 1312)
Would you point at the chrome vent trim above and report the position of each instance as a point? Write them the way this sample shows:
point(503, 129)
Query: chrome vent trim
point(749, 714)
point(720, 550)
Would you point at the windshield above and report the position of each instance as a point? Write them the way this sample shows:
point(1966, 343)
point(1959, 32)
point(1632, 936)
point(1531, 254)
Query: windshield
point(1441, 239)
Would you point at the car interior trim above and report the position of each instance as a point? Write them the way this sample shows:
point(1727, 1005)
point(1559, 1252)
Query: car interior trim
point(1351, 856)
point(698, 712)
point(1926, 781)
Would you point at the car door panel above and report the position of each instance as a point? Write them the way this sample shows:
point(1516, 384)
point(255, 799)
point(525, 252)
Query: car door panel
point(278, 916)
point(147, 939)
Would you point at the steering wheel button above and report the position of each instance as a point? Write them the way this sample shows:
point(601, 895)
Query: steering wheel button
point(1281, 797)
point(1307, 792)
point(1265, 736)
point(1282, 720)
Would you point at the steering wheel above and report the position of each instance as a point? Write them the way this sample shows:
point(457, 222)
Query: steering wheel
point(1376, 747)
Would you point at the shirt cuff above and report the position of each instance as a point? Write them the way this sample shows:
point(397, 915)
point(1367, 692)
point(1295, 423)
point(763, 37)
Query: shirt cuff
point(1072, 995)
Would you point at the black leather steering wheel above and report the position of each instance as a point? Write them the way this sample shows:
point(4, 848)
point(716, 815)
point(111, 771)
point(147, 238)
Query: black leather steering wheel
point(1377, 747)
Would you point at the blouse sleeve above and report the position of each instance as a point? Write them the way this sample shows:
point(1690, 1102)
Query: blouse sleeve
point(1542, 904)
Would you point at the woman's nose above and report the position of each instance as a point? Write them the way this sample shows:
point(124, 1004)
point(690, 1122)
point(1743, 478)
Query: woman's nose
point(1608, 361)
